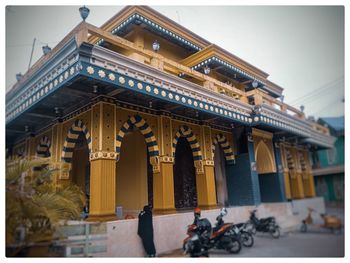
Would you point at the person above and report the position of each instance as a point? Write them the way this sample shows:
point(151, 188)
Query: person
point(197, 215)
point(145, 230)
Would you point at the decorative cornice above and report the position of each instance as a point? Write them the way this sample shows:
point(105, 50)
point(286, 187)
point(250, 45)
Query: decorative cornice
point(103, 155)
point(128, 15)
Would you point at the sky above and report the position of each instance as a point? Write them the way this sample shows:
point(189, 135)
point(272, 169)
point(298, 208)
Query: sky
point(300, 47)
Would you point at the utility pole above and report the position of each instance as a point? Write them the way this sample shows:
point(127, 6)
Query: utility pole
point(31, 54)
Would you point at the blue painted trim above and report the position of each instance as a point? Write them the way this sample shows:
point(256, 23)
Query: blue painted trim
point(182, 99)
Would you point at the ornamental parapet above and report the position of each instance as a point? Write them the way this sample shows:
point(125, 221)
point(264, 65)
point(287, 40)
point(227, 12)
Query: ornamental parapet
point(77, 58)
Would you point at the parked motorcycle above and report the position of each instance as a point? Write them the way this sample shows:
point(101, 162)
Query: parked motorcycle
point(267, 224)
point(246, 237)
point(201, 238)
point(225, 235)
point(197, 233)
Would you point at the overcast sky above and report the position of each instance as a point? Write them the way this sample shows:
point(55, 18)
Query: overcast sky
point(301, 48)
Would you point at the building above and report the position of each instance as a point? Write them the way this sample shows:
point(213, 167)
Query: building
point(328, 165)
point(142, 110)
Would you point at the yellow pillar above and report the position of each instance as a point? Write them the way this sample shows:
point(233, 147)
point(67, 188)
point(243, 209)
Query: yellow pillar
point(205, 182)
point(163, 178)
point(163, 185)
point(102, 186)
point(285, 173)
point(205, 176)
point(296, 177)
point(308, 178)
point(102, 162)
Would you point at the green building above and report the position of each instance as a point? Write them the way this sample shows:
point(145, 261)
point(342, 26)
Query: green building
point(328, 165)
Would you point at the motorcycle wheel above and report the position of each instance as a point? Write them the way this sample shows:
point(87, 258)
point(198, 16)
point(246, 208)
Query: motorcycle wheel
point(234, 247)
point(303, 228)
point(275, 232)
point(247, 239)
point(250, 227)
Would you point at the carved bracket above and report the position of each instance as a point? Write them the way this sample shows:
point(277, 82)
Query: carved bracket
point(199, 166)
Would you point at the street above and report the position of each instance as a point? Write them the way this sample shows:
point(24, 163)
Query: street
point(316, 243)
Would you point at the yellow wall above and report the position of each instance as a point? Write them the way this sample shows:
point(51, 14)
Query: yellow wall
point(132, 192)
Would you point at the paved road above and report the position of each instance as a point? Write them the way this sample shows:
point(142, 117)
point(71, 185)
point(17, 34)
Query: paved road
point(318, 243)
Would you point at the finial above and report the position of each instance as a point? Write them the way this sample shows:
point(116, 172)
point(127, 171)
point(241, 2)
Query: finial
point(84, 12)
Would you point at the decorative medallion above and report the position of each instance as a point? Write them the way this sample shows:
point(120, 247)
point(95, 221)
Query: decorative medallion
point(148, 88)
point(189, 101)
point(163, 93)
point(183, 99)
point(177, 97)
point(195, 103)
point(156, 91)
point(111, 76)
point(139, 85)
point(131, 83)
point(170, 96)
point(71, 71)
point(66, 74)
point(121, 80)
point(90, 70)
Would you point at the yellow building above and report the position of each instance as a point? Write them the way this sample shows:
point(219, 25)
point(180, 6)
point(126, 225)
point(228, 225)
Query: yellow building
point(142, 110)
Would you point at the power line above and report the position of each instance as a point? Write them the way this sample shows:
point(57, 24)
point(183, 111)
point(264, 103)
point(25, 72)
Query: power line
point(326, 106)
point(25, 45)
point(327, 85)
point(317, 96)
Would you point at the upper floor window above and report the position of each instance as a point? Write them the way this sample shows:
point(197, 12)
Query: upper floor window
point(332, 155)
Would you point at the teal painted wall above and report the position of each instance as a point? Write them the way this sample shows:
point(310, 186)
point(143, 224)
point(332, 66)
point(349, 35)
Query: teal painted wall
point(339, 160)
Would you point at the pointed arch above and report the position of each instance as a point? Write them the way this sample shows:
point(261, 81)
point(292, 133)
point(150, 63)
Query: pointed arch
point(43, 148)
point(225, 145)
point(72, 137)
point(191, 138)
point(264, 158)
point(138, 122)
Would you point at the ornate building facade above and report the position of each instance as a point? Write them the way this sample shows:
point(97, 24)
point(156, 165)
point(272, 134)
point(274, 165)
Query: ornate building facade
point(141, 110)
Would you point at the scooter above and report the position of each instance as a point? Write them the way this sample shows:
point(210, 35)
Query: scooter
point(267, 224)
point(329, 222)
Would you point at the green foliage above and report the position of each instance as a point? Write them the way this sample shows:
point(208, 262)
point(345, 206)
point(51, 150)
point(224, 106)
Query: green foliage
point(35, 204)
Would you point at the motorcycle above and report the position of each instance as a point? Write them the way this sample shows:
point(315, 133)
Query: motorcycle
point(267, 224)
point(201, 238)
point(225, 235)
point(246, 237)
point(193, 244)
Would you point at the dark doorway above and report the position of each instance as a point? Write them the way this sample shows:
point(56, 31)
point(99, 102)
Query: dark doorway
point(80, 172)
point(184, 176)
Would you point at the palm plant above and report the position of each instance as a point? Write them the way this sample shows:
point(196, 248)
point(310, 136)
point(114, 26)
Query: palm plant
point(35, 204)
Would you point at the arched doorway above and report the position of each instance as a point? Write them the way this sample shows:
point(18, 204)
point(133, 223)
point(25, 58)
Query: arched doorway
point(80, 171)
point(134, 174)
point(137, 149)
point(184, 175)
point(220, 176)
point(76, 150)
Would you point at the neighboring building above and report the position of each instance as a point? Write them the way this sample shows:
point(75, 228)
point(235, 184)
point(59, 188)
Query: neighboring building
point(142, 110)
point(328, 164)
